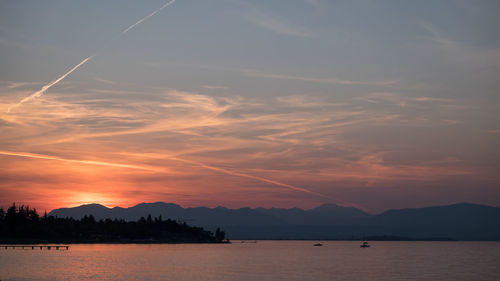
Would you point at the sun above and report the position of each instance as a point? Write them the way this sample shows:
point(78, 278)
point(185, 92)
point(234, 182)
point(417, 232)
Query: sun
point(83, 198)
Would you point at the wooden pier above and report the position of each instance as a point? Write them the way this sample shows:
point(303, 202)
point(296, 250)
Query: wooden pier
point(35, 247)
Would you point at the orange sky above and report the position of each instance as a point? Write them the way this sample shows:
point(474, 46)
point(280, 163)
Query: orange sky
point(193, 149)
point(244, 103)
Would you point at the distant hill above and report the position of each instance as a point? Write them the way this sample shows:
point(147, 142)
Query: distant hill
point(462, 221)
point(329, 221)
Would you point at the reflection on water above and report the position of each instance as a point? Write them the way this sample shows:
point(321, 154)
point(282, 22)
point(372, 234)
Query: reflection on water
point(264, 260)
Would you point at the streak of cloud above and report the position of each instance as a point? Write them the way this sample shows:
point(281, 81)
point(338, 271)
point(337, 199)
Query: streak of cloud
point(214, 87)
point(274, 182)
point(87, 162)
point(239, 174)
point(16, 85)
point(255, 73)
point(262, 20)
point(460, 51)
point(229, 172)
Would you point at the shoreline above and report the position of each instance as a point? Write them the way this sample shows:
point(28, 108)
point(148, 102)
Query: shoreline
point(60, 242)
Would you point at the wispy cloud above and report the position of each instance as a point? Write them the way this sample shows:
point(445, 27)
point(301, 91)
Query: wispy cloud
point(263, 20)
point(298, 143)
point(331, 80)
point(315, 3)
point(459, 51)
point(87, 162)
point(233, 126)
point(160, 170)
point(17, 85)
point(437, 36)
point(494, 131)
point(240, 174)
point(214, 87)
point(105, 81)
point(403, 101)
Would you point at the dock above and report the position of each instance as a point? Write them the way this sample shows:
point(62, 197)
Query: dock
point(35, 247)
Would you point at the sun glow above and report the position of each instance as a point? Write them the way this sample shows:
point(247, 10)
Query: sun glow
point(82, 198)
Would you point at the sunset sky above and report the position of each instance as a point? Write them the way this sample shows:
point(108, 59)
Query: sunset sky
point(259, 103)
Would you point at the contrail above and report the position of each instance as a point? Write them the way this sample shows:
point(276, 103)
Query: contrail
point(238, 174)
point(289, 186)
point(230, 172)
point(88, 162)
point(148, 16)
point(48, 86)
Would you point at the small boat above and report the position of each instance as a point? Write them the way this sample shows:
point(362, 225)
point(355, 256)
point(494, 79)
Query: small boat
point(364, 245)
point(318, 244)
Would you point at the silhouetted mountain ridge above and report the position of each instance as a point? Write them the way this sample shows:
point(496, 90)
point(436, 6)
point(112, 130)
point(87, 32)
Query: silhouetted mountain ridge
point(462, 221)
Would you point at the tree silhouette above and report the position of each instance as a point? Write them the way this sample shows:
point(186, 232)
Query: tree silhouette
point(23, 225)
point(220, 235)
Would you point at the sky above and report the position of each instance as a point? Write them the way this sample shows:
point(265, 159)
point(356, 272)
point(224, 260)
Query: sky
point(372, 104)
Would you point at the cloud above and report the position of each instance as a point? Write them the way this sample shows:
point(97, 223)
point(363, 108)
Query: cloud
point(315, 3)
point(154, 169)
point(17, 85)
point(461, 52)
point(240, 174)
point(332, 80)
point(310, 144)
point(403, 101)
point(105, 81)
point(263, 20)
point(214, 87)
point(87, 162)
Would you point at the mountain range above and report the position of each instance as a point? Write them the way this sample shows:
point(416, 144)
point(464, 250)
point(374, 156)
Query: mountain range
point(463, 221)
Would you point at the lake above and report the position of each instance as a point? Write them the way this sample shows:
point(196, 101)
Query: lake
point(264, 260)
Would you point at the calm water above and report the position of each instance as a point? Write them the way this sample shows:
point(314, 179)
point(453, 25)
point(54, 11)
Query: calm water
point(265, 260)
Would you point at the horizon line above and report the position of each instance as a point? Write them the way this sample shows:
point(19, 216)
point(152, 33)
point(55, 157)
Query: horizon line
point(254, 208)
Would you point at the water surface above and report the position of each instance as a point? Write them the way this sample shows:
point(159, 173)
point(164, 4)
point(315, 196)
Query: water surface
point(264, 260)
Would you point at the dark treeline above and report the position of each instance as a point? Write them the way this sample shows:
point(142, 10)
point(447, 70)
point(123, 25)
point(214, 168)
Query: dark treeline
point(24, 225)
